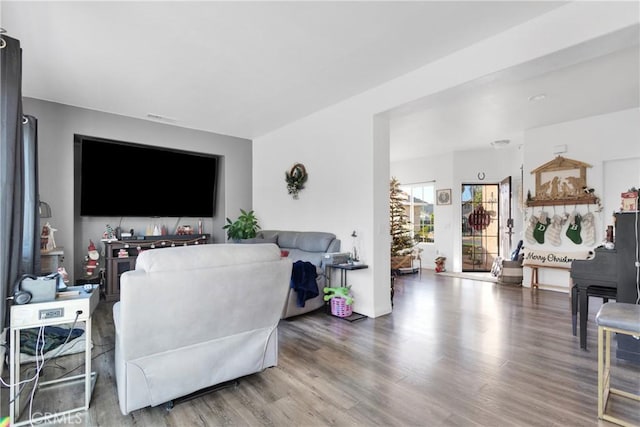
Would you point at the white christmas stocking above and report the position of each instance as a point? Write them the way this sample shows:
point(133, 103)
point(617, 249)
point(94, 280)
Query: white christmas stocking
point(554, 230)
point(528, 234)
point(588, 229)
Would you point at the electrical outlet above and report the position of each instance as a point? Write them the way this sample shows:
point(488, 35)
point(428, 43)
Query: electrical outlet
point(51, 313)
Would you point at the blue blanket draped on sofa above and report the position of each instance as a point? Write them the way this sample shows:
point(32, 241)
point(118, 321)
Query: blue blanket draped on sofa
point(303, 281)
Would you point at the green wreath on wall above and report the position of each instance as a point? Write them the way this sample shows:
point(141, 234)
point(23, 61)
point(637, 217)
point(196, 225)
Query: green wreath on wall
point(296, 178)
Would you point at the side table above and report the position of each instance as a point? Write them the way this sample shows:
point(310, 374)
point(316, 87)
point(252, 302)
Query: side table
point(344, 268)
point(73, 305)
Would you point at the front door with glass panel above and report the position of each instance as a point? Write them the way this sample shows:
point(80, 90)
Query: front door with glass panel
point(505, 221)
point(480, 231)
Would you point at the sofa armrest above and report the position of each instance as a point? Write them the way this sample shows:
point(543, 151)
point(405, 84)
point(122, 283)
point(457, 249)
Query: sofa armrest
point(334, 246)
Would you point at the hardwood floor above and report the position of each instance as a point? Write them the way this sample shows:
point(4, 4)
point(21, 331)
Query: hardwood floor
point(454, 352)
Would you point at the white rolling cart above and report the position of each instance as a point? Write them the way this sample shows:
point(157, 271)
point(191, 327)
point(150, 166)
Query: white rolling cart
point(75, 302)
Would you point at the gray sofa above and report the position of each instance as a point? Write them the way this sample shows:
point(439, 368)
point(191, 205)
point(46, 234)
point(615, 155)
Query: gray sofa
point(311, 246)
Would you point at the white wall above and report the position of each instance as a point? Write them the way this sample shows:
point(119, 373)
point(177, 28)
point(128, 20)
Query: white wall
point(56, 126)
point(620, 176)
point(338, 196)
point(348, 179)
point(595, 141)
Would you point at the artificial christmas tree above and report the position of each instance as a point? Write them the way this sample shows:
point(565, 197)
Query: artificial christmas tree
point(399, 226)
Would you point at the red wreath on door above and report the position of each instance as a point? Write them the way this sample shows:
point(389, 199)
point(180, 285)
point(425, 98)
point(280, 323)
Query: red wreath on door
point(479, 219)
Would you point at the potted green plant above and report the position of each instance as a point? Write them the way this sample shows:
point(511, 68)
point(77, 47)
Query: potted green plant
point(245, 227)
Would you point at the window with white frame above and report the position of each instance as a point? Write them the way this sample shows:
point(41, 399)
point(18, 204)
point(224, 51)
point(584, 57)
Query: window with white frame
point(419, 205)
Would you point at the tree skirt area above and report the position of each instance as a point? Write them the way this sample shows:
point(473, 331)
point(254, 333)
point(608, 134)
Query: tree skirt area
point(55, 336)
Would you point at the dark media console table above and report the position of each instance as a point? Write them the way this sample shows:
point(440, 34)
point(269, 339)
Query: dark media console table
point(121, 255)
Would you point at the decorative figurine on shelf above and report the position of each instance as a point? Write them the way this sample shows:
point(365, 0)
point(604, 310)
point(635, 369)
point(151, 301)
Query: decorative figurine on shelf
point(63, 273)
point(44, 238)
point(91, 260)
point(629, 200)
point(108, 233)
point(48, 230)
point(340, 292)
point(440, 264)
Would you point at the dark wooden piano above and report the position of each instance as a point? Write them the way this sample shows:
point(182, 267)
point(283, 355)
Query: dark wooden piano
point(612, 274)
point(599, 272)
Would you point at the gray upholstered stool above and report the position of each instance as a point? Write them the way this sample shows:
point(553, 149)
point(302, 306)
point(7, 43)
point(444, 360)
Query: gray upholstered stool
point(621, 318)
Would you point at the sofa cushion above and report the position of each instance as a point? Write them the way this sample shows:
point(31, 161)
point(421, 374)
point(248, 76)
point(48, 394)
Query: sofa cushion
point(315, 241)
point(268, 234)
point(301, 245)
point(260, 239)
point(309, 241)
point(314, 258)
point(183, 258)
point(288, 239)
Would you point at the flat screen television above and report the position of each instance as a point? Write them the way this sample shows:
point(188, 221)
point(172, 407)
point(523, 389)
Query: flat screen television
point(125, 179)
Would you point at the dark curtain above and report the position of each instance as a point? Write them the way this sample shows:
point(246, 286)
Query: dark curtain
point(31, 215)
point(16, 155)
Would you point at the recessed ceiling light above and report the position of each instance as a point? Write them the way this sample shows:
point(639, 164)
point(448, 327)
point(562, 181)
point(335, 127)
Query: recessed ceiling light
point(500, 143)
point(538, 97)
point(160, 118)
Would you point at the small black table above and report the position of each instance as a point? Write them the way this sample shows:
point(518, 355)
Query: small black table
point(344, 268)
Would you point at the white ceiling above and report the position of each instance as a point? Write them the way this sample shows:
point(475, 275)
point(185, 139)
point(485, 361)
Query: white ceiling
point(237, 68)
point(597, 77)
point(247, 68)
